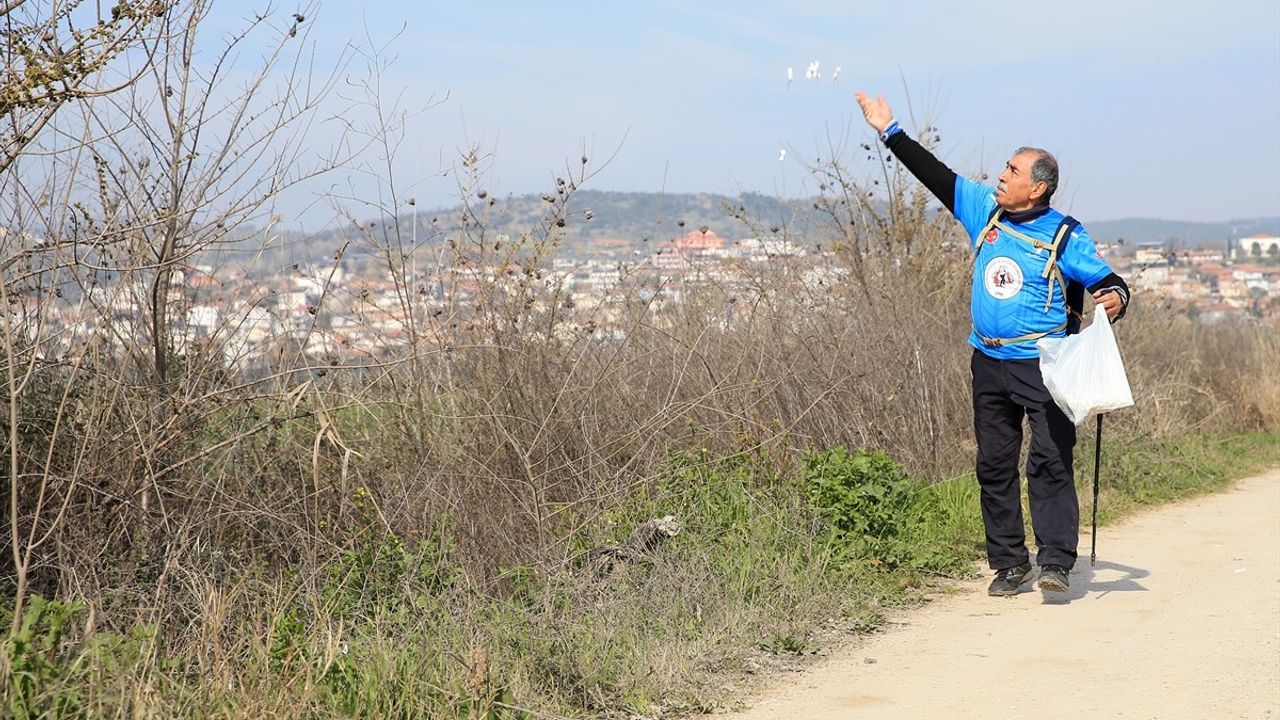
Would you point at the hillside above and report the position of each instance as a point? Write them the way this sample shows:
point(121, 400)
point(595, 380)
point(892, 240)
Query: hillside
point(644, 218)
point(1180, 234)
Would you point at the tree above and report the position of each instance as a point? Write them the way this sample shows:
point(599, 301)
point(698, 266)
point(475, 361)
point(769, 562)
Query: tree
point(55, 54)
point(190, 153)
point(110, 190)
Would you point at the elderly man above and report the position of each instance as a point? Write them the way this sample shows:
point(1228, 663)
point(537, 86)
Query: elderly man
point(1032, 265)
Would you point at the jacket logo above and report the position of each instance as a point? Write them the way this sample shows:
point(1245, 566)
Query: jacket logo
point(992, 234)
point(1002, 278)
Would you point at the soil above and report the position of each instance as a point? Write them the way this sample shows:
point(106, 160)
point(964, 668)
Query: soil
point(1179, 618)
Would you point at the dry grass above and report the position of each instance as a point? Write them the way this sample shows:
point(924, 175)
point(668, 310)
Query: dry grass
point(320, 539)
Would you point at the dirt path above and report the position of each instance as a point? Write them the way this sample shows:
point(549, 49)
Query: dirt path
point(1179, 619)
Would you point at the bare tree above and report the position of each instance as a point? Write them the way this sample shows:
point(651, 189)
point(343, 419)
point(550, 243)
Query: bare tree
point(55, 54)
point(207, 149)
point(109, 208)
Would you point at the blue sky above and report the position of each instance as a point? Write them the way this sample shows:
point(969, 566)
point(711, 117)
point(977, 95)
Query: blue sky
point(1155, 109)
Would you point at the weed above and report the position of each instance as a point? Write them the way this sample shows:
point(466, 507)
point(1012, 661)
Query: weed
point(51, 673)
point(869, 503)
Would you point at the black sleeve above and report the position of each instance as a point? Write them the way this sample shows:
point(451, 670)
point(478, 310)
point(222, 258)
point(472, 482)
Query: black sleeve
point(929, 170)
point(1116, 283)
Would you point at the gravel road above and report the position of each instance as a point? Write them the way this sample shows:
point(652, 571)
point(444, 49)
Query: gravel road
point(1179, 619)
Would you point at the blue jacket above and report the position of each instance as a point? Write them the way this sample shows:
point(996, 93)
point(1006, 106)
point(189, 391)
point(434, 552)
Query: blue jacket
point(1009, 292)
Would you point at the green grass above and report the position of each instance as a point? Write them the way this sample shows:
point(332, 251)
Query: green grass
point(1141, 473)
point(766, 566)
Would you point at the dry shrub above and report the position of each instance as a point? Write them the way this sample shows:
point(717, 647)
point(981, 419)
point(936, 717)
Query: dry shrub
point(507, 417)
point(1188, 375)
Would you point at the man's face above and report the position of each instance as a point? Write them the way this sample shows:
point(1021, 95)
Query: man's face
point(1016, 190)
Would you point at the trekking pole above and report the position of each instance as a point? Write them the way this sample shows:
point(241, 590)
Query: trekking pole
point(1097, 460)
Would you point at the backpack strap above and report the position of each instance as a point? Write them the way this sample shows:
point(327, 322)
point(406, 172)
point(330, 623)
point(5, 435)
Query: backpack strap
point(1072, 291)
point(1061, 237)
point(1001, 342)
point(992, 220)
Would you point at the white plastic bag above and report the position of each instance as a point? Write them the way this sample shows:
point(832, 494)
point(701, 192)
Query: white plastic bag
point(1084, 372)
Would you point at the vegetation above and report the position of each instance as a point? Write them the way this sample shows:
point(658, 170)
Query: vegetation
point(758, 575)
point(445, 528)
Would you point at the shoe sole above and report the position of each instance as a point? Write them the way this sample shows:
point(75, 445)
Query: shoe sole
point(1051, 584)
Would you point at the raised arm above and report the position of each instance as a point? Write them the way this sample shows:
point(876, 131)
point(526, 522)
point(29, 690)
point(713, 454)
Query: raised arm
point(929, 170)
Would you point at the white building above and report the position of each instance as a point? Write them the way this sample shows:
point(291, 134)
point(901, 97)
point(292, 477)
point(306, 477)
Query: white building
point(1258, 246)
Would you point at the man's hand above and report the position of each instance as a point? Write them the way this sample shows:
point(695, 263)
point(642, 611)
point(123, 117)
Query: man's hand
point(875, 110)
point(1110, 301)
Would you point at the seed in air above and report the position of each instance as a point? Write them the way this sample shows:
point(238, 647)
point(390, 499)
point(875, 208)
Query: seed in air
point(782, 154)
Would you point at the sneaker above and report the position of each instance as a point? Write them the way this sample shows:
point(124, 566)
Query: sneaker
point(1053, 578)
point(1007, 580)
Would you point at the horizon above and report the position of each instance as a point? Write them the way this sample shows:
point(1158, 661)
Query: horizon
point(619, 215)
point(1256, 219)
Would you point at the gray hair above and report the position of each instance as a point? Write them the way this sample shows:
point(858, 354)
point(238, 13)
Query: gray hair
point(1044, 169)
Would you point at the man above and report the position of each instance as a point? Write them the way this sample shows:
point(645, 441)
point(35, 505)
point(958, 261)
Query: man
point(1030, 270)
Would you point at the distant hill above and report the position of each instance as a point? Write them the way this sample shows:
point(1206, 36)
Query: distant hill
point(1178, 234)
point(642, 219)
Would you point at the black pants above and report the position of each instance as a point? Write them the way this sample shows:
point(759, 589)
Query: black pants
point(1004, 391)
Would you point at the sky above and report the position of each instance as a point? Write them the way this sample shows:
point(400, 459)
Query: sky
point(1154, 109)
